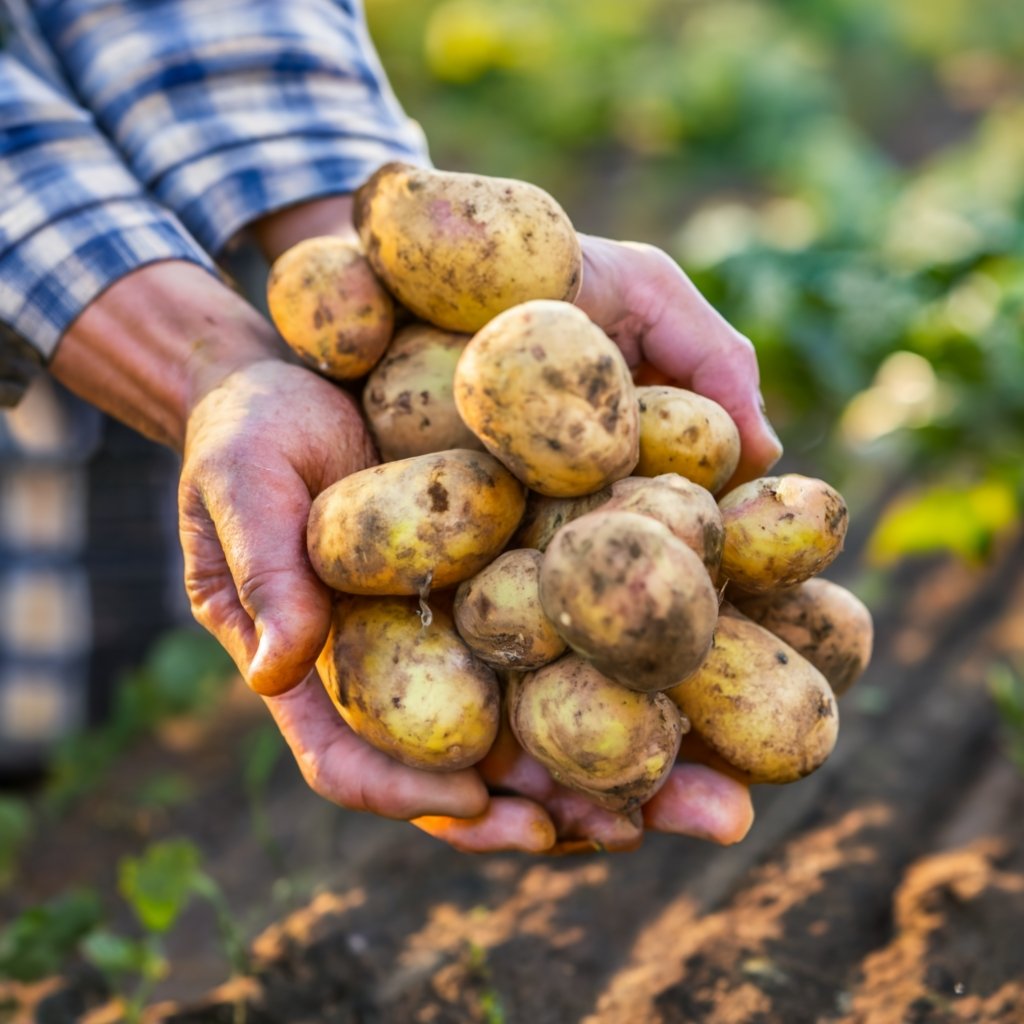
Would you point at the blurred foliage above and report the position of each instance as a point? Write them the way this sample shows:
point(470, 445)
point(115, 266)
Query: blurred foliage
point(843, 178)
point(1006, 683)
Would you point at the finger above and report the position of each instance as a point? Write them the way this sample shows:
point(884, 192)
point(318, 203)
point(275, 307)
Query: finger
point(509, 823)
point(342, 768)
point(697, 801)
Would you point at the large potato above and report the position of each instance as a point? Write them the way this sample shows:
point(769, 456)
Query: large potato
point(550, 395)
point(823, 622)
point(613, 744)
point(780, 531)
point(329, 306)
point(545, 516)
point(413, 691)
point(408, 397)
point(686, 433)
point(457, 249)
point(407, 526)
point(760, 706)
point(630, 597)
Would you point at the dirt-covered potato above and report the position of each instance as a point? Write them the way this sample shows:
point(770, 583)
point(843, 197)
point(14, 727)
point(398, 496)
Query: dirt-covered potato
point(457, 249)
point(686, 433)
point(630, 597)
point(407, 526)
point(760, 706)
point(550, 395)
point(545, 516)
point(613, 744)
point(329, 306)
point(415, 692)
point(408, 397)
point(823, 622)
point(780, 531)
point(498, 613)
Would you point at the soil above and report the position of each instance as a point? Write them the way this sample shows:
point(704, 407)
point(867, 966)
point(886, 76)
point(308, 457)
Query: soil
point(887, 888)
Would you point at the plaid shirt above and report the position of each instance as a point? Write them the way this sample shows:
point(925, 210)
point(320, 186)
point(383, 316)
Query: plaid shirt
point(133, 131)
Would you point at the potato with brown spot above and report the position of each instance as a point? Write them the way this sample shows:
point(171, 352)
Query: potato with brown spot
point(545, 516)
point(458, 249)
point(686, 433)
point(408, 397)
point(404, 527)
point(823, 622)
point(780, 531)
point(630, 597)
point(499, 615)
point(329, 306)
point(601, 739)
point(758, 705)
point(550, 395)
point(415, 692)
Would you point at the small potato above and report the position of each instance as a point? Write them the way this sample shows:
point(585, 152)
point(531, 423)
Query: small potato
point(498, 613)
point(413, 691)
point(457, 249)
point(404, 527)
point(780, 531)
point(329, 307)
point(601, 739)
point(821, 621)
point(408, 397)
point(686, 433)
point(760, 706)
point(545, 516)
point(550, 395)
point(629, 597)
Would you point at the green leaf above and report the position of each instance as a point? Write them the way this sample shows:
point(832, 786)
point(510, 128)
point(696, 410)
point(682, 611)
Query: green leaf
point(41, 939)
point(158, 884)
point(117, 955)
point(15, 831)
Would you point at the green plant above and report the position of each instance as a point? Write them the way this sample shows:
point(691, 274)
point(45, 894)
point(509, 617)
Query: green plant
point(15, 832)
point(1006, 684)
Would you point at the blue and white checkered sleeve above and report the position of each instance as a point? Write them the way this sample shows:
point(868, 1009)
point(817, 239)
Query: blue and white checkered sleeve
point(73, 217)
point(230, 109)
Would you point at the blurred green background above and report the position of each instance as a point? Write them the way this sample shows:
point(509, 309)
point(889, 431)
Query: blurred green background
point(843, 178)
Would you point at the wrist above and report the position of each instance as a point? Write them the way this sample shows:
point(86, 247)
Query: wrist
point(279, 231)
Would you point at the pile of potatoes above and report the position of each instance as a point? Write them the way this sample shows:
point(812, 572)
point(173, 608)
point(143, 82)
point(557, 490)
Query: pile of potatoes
point(542, 538)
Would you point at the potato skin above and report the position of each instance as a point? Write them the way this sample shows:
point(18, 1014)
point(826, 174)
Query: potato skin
point(414, 692)
point(545, 516)
point(408, 397)
point(550, 395)
point(601, 739)
point(821, 621)
point(407, 526)
point(686, 433)
point(457, 249)
point(499, 616)
point(629, 597)
point(780, 531)
point(329, 306)
point(760, 706)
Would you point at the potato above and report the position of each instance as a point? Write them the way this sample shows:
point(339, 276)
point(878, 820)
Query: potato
point(821, 621)
point(413, 691)
point(613, 744)
point(760, 706)
point(629, 597)
point(550, 395)
point(685, 433)
point(457, 249)
point(780, 531)
point(329, 306)
point(545, 516)
point(498, 613)
point(407, 526)
point(408, 397)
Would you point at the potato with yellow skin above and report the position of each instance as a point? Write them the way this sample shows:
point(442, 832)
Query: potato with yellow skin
point(686, 433)
point(601, 739)
point(780, 531)
point(499, 615)
point(545, 516)
point(630, 597)
point(407, 526)
point(408, 397)
point(413, 691)
point(823, 622)
point(329, 306)
point(458, 249)
point(550, 395)
point(758, 705)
